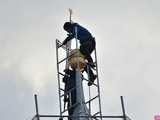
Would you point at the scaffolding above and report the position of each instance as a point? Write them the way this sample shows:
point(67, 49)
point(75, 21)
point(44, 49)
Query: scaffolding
point(37, 116)
point(94, 86)
point(89, 100)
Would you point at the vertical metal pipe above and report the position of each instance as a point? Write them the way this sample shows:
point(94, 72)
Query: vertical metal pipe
point(76, 37)
point(89, 101)
point(59, 91)
point(81, 109)
point(77, 47)
point(36, 104)
point(98, 84)
point(123, 109)
point(68, 45)
point(78, 68)
point(89, 89)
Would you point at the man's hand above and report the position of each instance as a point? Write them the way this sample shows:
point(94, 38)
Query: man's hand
point(64, 42)
point(67, 39)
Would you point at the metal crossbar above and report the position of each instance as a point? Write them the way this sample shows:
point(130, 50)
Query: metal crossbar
point(96, 113)
point(88, 80)
point(68, 91)
point(91, 99)
point(66, 58)
point(66, 116)
point(70, 107)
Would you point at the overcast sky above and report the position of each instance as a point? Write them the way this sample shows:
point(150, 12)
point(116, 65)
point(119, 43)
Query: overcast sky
point(128, 44)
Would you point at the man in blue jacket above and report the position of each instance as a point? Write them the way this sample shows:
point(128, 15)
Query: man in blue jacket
point(87, 44)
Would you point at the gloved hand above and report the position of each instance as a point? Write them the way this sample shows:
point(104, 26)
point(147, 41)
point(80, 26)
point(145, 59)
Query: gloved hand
point(70, 36)
point(64, 42)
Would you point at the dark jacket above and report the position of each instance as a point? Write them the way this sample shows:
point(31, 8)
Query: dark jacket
point(83, 34)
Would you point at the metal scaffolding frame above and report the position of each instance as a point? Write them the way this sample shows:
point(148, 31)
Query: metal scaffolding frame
point(38, 115)
point(61, 90)
point(62, 110)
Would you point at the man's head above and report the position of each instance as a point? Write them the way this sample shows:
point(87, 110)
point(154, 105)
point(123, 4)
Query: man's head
point(67, 26)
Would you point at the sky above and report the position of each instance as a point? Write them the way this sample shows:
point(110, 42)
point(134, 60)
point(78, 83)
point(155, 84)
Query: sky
point(127, 34)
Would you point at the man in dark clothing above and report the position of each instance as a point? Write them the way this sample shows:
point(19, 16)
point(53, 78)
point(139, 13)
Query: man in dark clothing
point(69, 89)
point(87, 44)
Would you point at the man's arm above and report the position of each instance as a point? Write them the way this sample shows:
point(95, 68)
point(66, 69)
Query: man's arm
point(68, 39)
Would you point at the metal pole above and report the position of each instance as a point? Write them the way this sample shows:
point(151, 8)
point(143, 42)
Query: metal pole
point(77, 48)
point(79, 86)
point(98, 83)
point(83, 116)
point(89, 90)
point(123, 109)
point(59, 91)
point(68, 45)
point(70, 15)
point(36, 104)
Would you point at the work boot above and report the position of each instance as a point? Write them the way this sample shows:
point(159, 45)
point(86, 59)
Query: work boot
point(92, 79)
